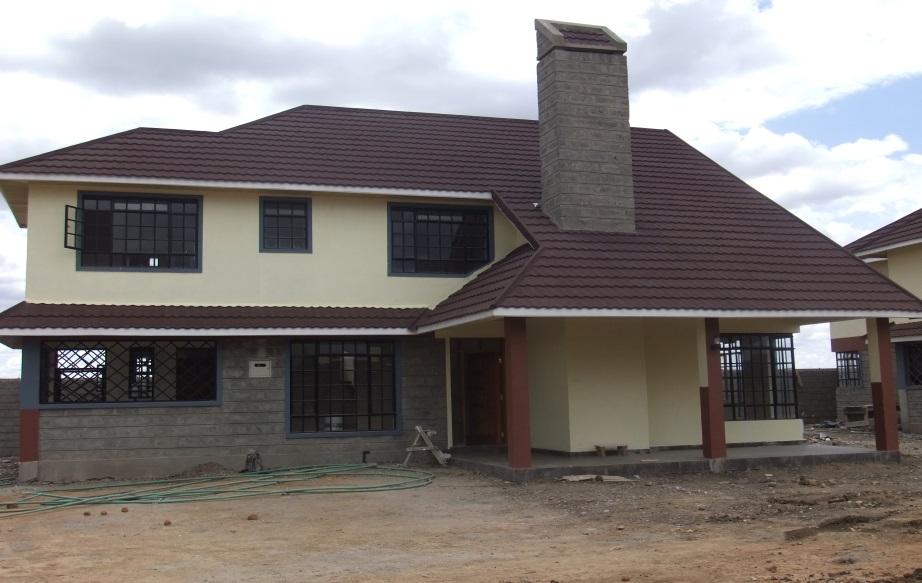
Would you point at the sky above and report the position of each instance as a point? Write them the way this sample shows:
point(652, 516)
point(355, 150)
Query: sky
point(816, 104)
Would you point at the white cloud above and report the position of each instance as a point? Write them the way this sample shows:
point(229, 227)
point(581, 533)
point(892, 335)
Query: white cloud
point(713, 72)
point(812, 345)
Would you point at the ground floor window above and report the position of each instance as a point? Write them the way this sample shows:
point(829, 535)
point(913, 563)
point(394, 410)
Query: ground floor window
point(848, 368)
point(346, 385)
point(912, 358)
point(758, 376)
point(127, 371)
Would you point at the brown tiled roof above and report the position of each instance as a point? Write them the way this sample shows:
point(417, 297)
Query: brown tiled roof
point(908, 228)
point(26, 315)
point(318, 145)
point(705, 240)
point(906, 330)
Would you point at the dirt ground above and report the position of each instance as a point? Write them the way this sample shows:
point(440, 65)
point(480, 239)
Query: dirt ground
point(844, 523)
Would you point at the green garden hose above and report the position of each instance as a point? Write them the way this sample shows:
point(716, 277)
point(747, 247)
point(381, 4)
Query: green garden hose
point(279, 482)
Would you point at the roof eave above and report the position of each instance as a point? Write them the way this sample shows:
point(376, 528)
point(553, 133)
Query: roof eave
point(820, 315)
point(25, 177)
point(884, 248)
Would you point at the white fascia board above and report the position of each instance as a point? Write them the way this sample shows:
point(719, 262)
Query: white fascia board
point(624, 313)
point(888, 247)
point(235, 184)
point(456, 322)
point(905, 339)
point(209, 332)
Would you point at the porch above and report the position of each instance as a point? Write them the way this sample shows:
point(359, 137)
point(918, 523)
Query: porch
point(672, 461)
point(684, 388)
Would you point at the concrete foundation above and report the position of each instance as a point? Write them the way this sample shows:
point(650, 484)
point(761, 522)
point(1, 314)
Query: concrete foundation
point(676, 461)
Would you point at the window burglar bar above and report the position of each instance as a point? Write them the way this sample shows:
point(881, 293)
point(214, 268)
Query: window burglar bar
point(912, 353)
point(342, 386)
point(758, 376)
point(134, 232)
point(848, 368)
point(115, 371)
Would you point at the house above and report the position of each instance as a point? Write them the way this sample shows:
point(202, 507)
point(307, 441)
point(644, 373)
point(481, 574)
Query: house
point(316, 283)
point(894, 250)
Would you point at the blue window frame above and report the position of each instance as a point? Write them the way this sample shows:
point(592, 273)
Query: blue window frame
point(284, 225)
point(341, 386)
point(438, 239)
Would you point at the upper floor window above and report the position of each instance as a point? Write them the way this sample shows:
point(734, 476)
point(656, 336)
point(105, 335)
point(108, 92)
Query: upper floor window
point(126, 231)
point(285, 225)
point(758, 376)
point(438, 240)
point(848, 368)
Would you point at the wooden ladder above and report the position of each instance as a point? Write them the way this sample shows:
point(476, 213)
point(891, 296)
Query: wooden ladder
point(425, 435)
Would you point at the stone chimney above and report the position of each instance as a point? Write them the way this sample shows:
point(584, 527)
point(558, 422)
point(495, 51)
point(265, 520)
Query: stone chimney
point(585, 133)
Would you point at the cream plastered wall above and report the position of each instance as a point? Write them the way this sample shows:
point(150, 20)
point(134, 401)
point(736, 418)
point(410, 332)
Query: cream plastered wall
point(768, 431)
point(673, 385)
point(904, 266)
point(547, 384)
point(606, 375)
point(347, 267)
point(628, 381)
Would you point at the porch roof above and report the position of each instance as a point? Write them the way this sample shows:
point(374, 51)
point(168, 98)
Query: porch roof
point(31, 319)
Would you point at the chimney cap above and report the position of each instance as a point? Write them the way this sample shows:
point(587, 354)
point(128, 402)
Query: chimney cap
point(577, 37)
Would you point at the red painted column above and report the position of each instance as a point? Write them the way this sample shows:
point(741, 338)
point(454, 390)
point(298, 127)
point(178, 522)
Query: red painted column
point(518, 423)
point(28, 435)
point(713, 433)
point(883, 391)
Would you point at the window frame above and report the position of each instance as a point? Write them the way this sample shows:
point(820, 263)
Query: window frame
point(910, 350)
point(309, 223)
point(391, 206)
point(398, 391)
point(34, 352)
point(849, 361)
point(199, 200)
point(769, 383)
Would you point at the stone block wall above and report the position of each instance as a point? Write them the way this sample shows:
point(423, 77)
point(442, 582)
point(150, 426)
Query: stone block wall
point(585, 140)
point(9, 417)
point(816, 394)
point(158, 441)
point(853, 396)
point(914, 406)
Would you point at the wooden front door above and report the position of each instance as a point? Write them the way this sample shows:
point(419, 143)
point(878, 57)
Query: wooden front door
point(483, 385)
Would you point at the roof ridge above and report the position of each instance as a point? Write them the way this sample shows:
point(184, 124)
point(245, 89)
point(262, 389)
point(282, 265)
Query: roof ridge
point(518, 277)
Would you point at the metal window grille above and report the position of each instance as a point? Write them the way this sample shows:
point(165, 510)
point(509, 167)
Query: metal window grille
point(342, 386)
point(124, 371)
point(134, 232)
point(848, 368)
point(285, 225)
point(912, 357)
point(758, 376)
point(141, 384)
point(434, 240)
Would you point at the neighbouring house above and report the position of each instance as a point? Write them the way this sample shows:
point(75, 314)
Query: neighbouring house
point(894, 250)
point(316, 283)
